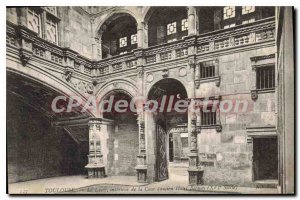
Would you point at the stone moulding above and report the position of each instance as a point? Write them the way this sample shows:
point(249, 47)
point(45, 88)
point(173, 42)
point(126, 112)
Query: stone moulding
point(137, 54)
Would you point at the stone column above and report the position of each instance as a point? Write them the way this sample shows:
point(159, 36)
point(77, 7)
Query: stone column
point(192, 20)
point(254, 94)
point(141, 167)
point(195, 172)
point(140, 34)
point(95, 40)
point(95, 166)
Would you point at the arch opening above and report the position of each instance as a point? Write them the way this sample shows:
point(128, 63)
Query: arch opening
point(118, 35)
point(45, 149)
point(123, 141)
point(170, 128)
point(224, 17)
point(162, 29)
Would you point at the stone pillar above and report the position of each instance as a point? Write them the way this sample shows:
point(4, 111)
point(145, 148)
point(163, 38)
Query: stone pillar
point(254, 94)
point(95, 166)
point(192, 20)
point(195, 172)
point(96, 41)
point(141, 167)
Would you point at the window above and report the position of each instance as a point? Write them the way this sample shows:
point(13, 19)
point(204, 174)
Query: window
point(229, 26)
point(248, 21)
point(123, 42)
point(51, 30)
point(208, 117)
point(44, 21)
point(51, 10)
point(247, 9)
point(265, 77)
point(184, 25)
point(134, 39)
point(228, 12)
point(233, 16)
point(171, 28)
point(34, 20)
point(207, 69)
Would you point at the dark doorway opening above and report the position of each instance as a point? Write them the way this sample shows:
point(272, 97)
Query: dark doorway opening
point(265, 158)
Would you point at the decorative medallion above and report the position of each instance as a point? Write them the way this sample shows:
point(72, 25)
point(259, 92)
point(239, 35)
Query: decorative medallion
point(150, 77)
point(182, 71)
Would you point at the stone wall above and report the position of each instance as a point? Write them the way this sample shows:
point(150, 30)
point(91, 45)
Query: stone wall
point(123, 146)
point(226, 156)
point(78, 27)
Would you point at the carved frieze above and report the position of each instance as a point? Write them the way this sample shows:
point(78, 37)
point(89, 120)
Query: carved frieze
point(82, 86)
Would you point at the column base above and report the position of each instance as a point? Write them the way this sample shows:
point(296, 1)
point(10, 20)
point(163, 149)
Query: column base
point(196, 176)
point(141, 171)
point(95, 171)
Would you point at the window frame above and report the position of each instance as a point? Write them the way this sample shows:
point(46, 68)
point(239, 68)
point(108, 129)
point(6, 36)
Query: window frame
point(259, 62)
point(211, 116)
point(211, 102)
point(270, 68)
point(52, 22)
point(203, 72)
point(38, 12)
point(239, 17)
point(45, 14)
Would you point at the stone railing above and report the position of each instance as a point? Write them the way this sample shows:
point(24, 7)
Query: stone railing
point(167, 51)
point(31, 45)
point(260, 31)
point(115, 64)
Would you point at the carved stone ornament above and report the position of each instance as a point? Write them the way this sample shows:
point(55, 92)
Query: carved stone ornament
point(197, 84)
point(90, 89)
point(219, 128)
point(192, 62)
point(68, 73)
point(25, 56)
point(140, 72)
point(218, 81)
point(254, 95)
point(165, 73)
point(150, 77)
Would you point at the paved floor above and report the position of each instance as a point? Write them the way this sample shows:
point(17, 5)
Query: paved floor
point(176, 184)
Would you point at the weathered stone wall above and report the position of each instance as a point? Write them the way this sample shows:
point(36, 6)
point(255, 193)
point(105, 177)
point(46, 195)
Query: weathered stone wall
point(227, 156)
point(80, 32)
point(123, 145)
point(285, 97)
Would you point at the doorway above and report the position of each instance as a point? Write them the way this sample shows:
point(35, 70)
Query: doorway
point(265, 158)
point(162, 120)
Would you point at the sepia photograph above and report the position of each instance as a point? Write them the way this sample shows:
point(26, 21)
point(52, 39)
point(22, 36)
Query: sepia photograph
point(150, 100)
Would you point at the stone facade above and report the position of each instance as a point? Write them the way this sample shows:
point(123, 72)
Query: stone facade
point(218, 154)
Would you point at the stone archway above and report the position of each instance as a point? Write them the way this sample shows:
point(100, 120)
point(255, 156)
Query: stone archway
point(158, 124)
point(117, 34)
point(32, 133)
point(123, 134)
